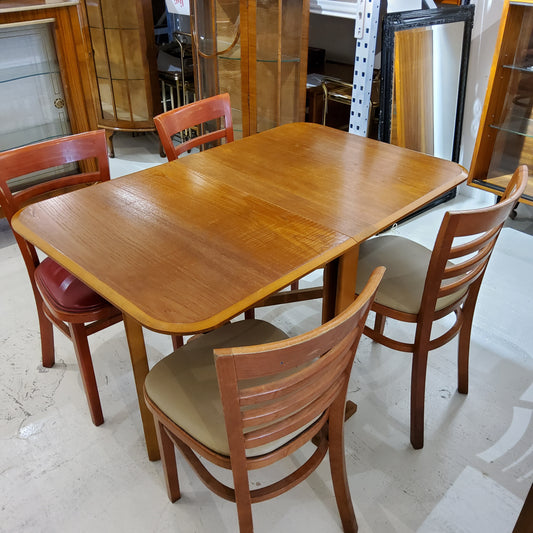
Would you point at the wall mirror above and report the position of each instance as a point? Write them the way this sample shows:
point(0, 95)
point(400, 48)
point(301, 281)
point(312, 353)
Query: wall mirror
point(424, 63)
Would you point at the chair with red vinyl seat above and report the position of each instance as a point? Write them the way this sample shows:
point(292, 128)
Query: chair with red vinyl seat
point(62, 299)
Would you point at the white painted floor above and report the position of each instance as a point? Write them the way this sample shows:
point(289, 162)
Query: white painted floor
point(59, 473)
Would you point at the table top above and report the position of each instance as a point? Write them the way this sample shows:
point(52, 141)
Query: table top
point(177, 252)
point(352, 184)
point(185, 246)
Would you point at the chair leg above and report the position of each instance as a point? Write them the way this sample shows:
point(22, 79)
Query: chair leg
point(338, 472)
point(295, 285)
point(244, 512)
point(168, 460)
point(418, 388)
point(78, 335)
point(463, 354)
point(243, 497)
point(177, 341)
point(249, 314)
point(47, 339)
point(463, 357)
point(379, 323)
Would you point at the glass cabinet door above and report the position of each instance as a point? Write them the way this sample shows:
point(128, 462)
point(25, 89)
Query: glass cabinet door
point(505, 138)
point(281, 47)
point(256, 50)
point(32, 103)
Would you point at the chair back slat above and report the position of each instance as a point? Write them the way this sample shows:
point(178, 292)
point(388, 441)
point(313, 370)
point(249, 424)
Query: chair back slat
point(470, 262)
point(454, 268)
point(290, 381)
point(281, 397)
point(300, 419)
point(196, 114)
point(295, 380)
point(462, 249)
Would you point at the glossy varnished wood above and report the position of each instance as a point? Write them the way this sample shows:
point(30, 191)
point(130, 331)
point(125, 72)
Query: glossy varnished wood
point(179, 253)
point(352, 184)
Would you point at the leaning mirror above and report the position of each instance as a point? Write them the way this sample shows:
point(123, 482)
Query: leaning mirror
point(424, 62)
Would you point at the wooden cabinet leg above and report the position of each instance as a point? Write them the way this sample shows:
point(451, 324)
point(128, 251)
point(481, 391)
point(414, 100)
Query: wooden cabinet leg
point(109, 138)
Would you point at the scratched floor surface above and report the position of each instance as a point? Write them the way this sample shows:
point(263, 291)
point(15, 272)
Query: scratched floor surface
point(59, 473)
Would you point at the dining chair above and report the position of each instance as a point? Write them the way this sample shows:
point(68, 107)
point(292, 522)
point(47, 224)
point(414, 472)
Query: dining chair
point(62, 299)
point(214, 110)
point(247, 407)
point(422, 286)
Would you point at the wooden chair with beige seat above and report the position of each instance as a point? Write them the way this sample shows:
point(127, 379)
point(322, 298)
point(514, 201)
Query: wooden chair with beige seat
point(421, 286)
point(62, 300)
point(248, 407)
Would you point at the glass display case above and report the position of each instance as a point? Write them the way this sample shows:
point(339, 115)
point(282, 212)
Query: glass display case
point(45, 87)
point(125, 68)
point(32, 103)
point(256, 50)
point(505, 136)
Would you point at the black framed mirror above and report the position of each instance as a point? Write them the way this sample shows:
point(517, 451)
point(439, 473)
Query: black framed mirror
point(424, 64)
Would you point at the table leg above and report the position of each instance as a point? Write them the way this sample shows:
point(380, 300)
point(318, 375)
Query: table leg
point(139, 363)
point(339, 283)
point(339, 293)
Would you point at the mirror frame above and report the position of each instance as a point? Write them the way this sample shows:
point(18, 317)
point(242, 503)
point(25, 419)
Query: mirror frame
point(404, 20)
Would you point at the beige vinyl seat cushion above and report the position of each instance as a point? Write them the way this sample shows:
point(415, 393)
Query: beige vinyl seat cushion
point(184, 384)
point(407, 263)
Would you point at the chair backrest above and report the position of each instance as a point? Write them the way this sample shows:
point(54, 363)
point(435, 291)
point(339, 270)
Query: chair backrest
point(464, 245)
point(284, 390)
point(47, 155)
point(191, 115)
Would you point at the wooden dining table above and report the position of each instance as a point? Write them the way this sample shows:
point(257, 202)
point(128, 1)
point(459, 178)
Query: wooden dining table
point(185, 246)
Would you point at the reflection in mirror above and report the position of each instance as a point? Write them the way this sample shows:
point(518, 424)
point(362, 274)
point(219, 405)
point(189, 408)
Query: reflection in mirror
point(423, 79)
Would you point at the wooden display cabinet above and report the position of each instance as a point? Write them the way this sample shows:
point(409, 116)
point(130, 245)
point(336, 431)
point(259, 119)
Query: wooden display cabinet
point(256, 50)
point(55, 98)
point(505, 137)
point(125, 81)
point(70, 36)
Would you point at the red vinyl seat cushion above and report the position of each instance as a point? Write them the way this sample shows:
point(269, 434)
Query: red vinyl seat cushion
point(65, 291)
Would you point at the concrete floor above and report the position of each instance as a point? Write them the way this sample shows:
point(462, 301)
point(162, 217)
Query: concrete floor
point(59, 473)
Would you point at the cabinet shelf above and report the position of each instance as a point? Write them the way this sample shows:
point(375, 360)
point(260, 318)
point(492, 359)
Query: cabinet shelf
point(42, 132)
point(27, 71)
point(265, 60)
point(516, 126)
point(523, 68)
point(499, 183)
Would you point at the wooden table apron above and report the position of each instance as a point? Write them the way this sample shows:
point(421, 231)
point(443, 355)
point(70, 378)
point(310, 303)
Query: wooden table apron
point(185, 246)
